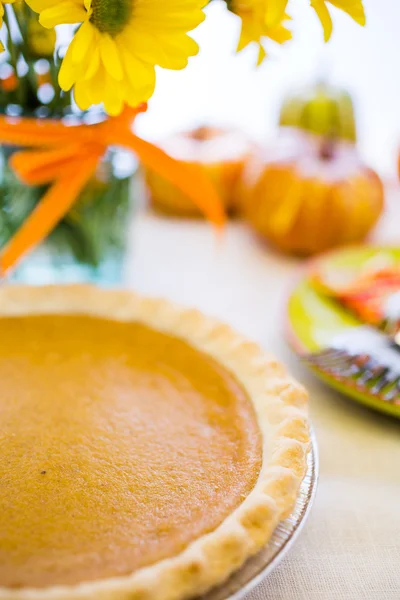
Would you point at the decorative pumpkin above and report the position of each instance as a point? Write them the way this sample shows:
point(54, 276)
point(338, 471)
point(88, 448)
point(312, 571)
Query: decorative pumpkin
point(222, 154)
point(321, 109)
point(309, 194)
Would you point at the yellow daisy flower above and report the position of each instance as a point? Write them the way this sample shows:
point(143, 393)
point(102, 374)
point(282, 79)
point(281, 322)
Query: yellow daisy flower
point(263, 19)
point(113, 54)
point(354, 8)
point(260, 23)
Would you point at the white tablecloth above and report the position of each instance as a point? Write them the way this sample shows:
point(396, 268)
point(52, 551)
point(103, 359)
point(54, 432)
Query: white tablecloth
point(350, 548)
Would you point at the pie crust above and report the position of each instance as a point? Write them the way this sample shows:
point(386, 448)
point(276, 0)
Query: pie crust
point(281, 410)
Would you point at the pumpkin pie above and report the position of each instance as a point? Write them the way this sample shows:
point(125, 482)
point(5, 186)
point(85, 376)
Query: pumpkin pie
point(146, 451)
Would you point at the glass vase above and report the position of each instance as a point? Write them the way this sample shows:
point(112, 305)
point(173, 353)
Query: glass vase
point(91, 242)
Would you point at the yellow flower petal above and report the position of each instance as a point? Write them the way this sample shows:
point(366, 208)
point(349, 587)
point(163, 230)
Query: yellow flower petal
point(274, 12)
point(354, 8)
point(166, 18)
point(82, 97)
point(110, 57)
point(62, 13)
point(324, 16)
point(255, 30)
point(111, 92)
point(96, 85)
point(113, 104)
point(167, 51)
point(261, 55)
point(262, 19)
point(82, 42)
point(40, 5)
point(93, 64)
point(70, 72)
point(280, 34)
point(140, 75)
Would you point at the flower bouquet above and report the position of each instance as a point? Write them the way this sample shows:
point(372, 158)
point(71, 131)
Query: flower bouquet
point(68, 100)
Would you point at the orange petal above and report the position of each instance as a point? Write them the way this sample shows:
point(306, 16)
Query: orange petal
point(190, 179)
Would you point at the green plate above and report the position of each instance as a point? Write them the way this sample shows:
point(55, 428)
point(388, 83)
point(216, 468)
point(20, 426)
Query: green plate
point(313, 319)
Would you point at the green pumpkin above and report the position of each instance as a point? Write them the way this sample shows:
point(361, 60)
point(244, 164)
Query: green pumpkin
point(323, 110)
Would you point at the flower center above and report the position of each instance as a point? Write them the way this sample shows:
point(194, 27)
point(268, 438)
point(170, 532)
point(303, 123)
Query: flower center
point(111, 16)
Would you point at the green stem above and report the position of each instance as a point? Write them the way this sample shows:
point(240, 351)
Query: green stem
point(23, 32)
point(13, 51)
point(24, 48)
point(56, 103)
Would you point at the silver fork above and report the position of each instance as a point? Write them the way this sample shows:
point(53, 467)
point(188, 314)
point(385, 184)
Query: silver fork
point(391, 324)
point(365, 358)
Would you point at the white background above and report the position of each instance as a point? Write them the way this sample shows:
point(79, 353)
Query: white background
point(221, 87)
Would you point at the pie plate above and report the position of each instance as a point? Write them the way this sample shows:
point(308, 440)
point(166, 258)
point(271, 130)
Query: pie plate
point(262, 564)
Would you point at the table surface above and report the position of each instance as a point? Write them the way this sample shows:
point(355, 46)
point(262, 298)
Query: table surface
point(350, 548)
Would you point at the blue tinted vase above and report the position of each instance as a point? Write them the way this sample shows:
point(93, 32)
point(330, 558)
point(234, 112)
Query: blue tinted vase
point(91, 242)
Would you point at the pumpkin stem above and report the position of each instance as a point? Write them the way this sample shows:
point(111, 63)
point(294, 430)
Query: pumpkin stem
point(327, 149)
point(201, 134)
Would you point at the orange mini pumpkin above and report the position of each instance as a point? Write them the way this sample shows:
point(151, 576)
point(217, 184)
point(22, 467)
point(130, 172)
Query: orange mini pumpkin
point(309, 193)
point(220, 152)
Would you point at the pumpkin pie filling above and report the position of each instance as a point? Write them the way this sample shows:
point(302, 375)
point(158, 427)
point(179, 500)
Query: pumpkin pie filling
point(119, 446)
